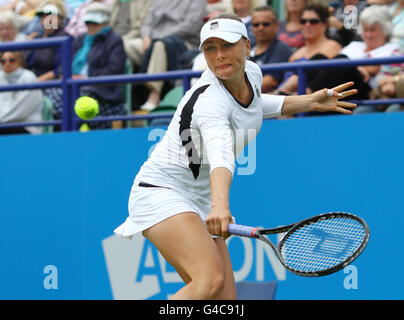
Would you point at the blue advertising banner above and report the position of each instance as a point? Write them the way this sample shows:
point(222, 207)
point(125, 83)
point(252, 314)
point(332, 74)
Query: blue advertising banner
point(63, 194)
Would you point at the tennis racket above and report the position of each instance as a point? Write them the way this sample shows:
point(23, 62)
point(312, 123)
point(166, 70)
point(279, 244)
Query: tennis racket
point(316, 246)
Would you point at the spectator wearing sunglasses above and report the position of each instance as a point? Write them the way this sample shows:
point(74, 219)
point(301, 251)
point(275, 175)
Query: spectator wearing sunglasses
point(268, 49)
point(316, 44)
point(22, 105)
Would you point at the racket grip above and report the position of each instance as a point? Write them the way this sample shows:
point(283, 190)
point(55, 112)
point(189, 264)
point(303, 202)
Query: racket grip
point(242, 231)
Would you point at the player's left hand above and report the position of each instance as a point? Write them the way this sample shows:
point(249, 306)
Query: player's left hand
point(326, 100)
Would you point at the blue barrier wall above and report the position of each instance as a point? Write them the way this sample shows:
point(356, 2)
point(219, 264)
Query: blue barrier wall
point(63, 194)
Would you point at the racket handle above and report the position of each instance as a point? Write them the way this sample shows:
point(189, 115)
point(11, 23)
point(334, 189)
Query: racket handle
point(242, 231)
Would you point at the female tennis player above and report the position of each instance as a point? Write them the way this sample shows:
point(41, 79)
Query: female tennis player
point(180, 197)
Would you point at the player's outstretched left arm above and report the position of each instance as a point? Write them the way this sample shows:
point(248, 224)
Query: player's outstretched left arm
point(324, 100)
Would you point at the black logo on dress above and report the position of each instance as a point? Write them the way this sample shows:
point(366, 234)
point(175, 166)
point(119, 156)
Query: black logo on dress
point(257, 91)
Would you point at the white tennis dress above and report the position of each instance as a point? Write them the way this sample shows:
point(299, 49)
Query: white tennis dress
point(209, 129)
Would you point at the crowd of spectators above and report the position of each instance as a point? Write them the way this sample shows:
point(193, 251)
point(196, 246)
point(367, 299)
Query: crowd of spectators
point(153, 36)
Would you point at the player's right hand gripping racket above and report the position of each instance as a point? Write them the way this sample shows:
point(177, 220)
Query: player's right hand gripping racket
point(316, 246)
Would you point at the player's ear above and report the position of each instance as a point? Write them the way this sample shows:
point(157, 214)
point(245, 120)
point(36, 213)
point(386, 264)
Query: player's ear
point(248, 47)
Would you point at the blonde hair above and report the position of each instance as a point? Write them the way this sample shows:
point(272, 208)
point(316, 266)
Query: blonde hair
point(226, 15)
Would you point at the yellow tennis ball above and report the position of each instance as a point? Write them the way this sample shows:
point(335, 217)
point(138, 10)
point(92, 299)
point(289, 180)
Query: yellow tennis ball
point(84, 127)
point(86, 108)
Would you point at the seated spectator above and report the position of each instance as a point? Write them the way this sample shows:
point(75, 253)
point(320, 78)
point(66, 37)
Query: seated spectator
point(76, 24)
point(290, 30)
point(98, 52)
point(127, 19)
point(344, 20)
point(397, 12)
point(18, 106)
point(376, 30)
point(40, 23)
point(46, 63)
point(375, 27)
point(170, 30)
point(9, 28)
point(390, 83)
point(269, 49)
point(317, 46)
point(244, 9)
point(390, 87)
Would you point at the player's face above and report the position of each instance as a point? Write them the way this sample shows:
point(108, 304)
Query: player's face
point(226, 60)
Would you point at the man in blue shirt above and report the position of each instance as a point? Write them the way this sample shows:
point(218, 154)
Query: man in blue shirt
point(268, 49)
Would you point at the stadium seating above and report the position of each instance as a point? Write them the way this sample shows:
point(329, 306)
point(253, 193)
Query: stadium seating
point(168, 104)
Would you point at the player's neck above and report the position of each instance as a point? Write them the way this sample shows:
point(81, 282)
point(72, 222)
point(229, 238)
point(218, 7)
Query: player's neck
point(239, 88)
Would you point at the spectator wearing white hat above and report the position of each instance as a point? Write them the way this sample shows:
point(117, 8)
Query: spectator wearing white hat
point(46, 63)
point(98, 52)
point(76, 24)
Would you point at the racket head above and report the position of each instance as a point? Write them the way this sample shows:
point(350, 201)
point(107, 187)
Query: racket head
point(323, 244)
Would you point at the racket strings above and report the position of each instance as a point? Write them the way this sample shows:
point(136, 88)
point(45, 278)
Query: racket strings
point(323, 244)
